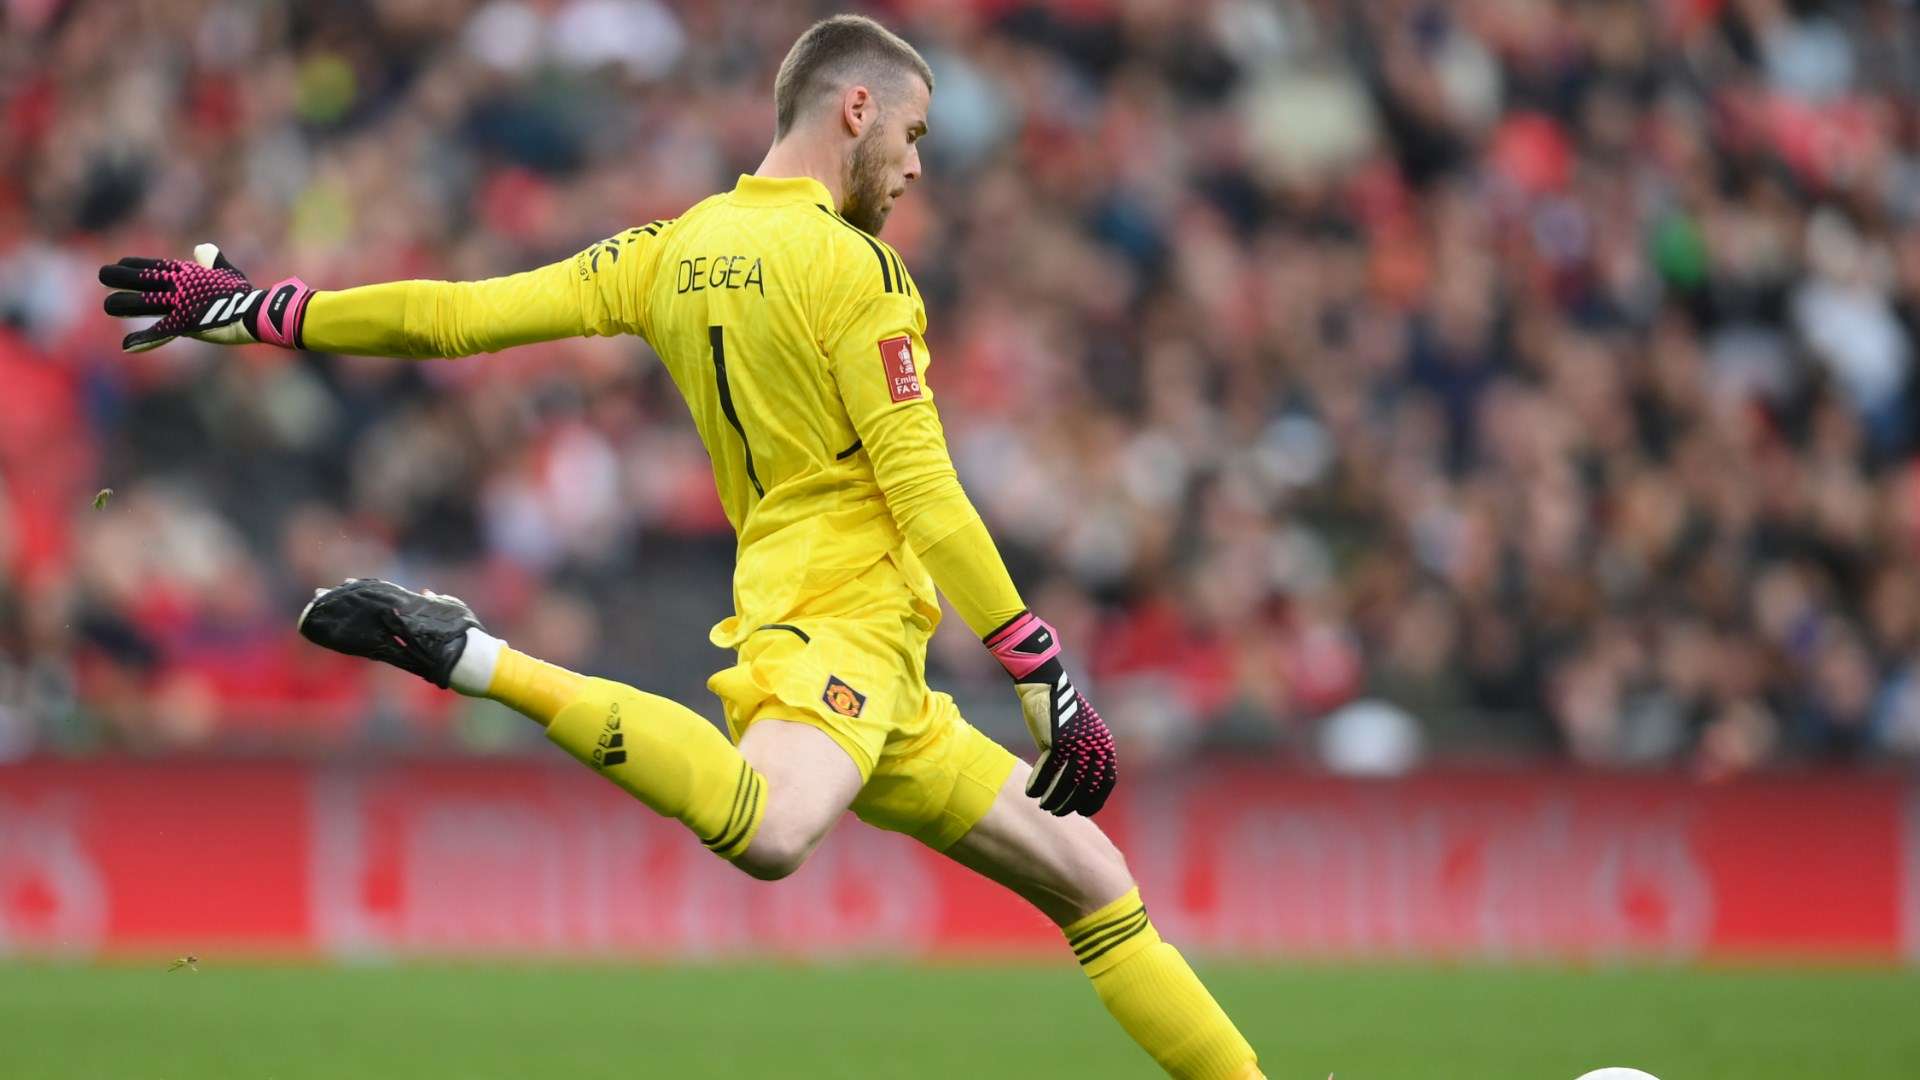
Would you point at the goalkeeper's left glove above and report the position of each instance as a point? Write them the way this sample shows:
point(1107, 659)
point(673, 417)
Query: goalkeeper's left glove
point(208, 298)
point(1076, 769)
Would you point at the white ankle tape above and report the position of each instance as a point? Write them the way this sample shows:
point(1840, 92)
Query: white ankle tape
point(473, 672)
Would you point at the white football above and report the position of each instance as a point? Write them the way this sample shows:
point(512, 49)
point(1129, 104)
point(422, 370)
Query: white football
point(1617, 1073)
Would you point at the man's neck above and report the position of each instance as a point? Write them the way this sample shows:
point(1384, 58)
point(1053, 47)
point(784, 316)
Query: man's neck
point(789, 158)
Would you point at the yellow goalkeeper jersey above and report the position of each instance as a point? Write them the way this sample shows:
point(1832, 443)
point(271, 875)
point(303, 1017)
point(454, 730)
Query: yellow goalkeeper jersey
point(797, 341)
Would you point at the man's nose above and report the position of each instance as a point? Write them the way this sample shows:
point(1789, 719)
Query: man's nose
point(913, 164)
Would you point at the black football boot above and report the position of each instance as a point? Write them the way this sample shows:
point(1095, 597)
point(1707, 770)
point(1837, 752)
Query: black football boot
point(422, 632)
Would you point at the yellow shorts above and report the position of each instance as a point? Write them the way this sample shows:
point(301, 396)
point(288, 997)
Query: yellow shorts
point(926, 772)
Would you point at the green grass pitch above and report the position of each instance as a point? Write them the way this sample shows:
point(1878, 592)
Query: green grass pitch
point(927, 1023)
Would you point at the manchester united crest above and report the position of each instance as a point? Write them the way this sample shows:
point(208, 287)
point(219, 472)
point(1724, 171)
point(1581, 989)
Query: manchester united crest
point(842, 698)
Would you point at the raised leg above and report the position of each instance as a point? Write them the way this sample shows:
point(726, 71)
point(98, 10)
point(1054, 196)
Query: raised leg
point(1066, 867)
point(764, 806)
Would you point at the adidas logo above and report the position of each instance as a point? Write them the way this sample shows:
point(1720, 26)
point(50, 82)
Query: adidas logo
point(611, 750)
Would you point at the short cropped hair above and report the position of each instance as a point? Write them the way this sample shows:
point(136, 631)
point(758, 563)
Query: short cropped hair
point(834, 52)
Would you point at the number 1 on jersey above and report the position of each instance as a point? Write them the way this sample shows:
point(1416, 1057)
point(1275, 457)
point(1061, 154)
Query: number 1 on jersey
point(719, 342)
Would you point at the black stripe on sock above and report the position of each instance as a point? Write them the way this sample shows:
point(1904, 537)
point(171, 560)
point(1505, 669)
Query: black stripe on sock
point(714, 840)
point(1132, 923)
point(745, 810)
point(848, 452)
point(739, 795)
point(886, 274)
point(751, 806)
point(1090, 931)
point(789, 627)
point(1125, 930)
point(1117, 942)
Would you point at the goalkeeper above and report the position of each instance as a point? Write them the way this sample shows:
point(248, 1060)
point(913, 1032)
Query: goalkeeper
point(796, 337)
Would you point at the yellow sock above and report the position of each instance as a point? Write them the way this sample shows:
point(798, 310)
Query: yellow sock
point(659, 751)
point(1147, 986)
point(532, 686)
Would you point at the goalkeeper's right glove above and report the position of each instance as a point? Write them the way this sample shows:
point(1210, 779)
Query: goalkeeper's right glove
point(208, 298)
point(1076, 769)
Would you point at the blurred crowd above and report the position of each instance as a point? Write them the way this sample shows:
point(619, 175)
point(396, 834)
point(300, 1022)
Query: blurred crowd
point(1366, 383)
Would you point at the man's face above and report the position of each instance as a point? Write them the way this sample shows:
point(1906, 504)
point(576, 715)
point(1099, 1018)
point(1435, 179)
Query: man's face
point(886, 158)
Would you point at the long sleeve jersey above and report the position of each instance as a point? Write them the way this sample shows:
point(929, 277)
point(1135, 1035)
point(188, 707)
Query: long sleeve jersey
point(797, 341)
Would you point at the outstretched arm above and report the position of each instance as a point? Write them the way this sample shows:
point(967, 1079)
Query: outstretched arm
point(422, 319)
point(879, 363)
point(598, 292)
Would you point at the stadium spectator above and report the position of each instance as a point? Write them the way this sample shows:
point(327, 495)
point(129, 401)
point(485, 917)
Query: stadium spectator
point(1544, 370)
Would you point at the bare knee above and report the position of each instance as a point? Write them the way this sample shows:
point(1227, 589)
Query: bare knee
point(768, 867)
point(777, 850)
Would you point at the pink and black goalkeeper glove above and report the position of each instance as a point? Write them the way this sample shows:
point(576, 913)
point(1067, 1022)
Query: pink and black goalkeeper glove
point(1076, 769)
point(208, 298)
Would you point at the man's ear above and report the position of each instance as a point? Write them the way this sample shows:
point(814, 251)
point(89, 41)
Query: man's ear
point(858, 109)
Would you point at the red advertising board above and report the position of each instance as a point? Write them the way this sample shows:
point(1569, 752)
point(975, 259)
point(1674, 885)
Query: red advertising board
point(537, 858)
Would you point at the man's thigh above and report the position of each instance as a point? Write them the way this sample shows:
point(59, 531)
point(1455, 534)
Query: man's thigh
point(813, 706)
point(964, 795)
point(936, 778)
point(811, 779)
point(1065, 866)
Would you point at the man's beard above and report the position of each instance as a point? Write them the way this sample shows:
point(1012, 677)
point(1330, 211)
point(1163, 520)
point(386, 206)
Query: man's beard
point(866, 201)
